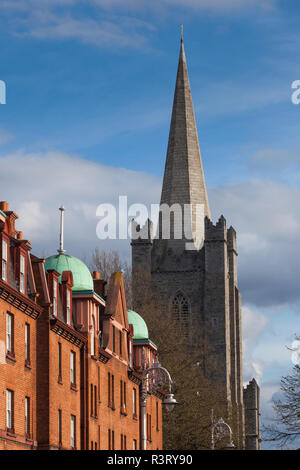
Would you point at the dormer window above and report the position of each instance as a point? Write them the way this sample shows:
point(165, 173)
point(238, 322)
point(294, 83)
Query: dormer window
point(93, 337)
point(54, 297)
point(68, 307)
point(22, 274)
point(4, 260)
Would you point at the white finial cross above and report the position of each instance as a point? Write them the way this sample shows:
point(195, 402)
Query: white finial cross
point(61, 250)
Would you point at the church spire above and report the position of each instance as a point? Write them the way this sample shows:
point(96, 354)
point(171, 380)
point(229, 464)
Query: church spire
point(184, 181)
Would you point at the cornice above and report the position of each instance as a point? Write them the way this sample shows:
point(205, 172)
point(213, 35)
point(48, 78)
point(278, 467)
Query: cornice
point(19, 301)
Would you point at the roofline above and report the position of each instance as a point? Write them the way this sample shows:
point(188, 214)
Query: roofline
point(88, 292)
point(144, 340)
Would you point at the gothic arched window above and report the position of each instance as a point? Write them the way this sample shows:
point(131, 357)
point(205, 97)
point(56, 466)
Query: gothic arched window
point(181, 307)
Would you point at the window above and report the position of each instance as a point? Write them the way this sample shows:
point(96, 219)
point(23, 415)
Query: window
point(157, 417)
point(148, 427)
point(10, 333)
point(59, 363)
point(27, 342)
point(123, 442)
point(111, 439)
point(93, 337)
point(73, 432)
point(92, 408)
point(124, 396)
point(134, 402)
point(92, 445)
point(4, 260)
point(68, 307)
point(114, 338)
point(55, 297)
point(121, 395)
point(113, 392)
point(22, 274)
point(98, 384)
point(27, 416)
point(59, 427)
point(180, 307)
point(108, 389)
point(130, 353)
point(120, 342)
point(95, 401)
point(10, 410)
point(134, 445)
point(73, 368)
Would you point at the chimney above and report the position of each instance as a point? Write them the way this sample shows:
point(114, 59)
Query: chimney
point(4, 206)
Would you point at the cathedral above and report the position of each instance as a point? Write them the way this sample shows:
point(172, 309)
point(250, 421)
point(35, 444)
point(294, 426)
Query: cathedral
point(194, 269)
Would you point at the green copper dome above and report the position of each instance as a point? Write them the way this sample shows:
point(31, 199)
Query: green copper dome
point(81, 275)
point(140, 330)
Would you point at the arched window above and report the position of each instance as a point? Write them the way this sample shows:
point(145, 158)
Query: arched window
point(93, 337)
point(181, 307)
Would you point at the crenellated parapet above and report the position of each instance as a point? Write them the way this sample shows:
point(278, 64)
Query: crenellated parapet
point(141, 234)
point(215, 232)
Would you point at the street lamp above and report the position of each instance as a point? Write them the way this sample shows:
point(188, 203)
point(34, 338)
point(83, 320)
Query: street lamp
point(169, 401)
point(219, 430)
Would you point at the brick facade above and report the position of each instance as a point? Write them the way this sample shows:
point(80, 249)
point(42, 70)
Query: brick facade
point(79, 386)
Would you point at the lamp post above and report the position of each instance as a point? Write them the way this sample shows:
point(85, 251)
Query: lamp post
point(169, 401)
point(219, 430)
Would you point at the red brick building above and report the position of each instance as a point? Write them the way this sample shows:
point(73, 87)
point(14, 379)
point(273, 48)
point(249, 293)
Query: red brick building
point(71, 355)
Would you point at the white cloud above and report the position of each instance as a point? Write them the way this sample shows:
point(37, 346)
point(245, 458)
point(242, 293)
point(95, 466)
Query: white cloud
point(109, 23)
point(265, 215)
point(92, 31)
point(254, 324)
point(36, 184)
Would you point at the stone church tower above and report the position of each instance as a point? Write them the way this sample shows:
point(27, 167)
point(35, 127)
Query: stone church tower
point(198, 277)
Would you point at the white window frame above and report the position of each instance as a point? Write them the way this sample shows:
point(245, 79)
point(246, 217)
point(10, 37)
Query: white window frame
point(27, 342)
point(27, 416)
point(9, 332)
point(73, 367)
point(92, 337)
point(73, 431)
point(22, 273)
point(68, 307)
point(55, 297)
point(134, 408)
point(130, 353)
point(9, 409)
point(4, 259)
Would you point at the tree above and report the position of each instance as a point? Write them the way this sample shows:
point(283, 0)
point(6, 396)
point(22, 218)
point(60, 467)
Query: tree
point(108, 262)
point(285, 428)
point(183, 354)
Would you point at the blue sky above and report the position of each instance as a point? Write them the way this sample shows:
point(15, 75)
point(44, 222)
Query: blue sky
point(89, 96)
